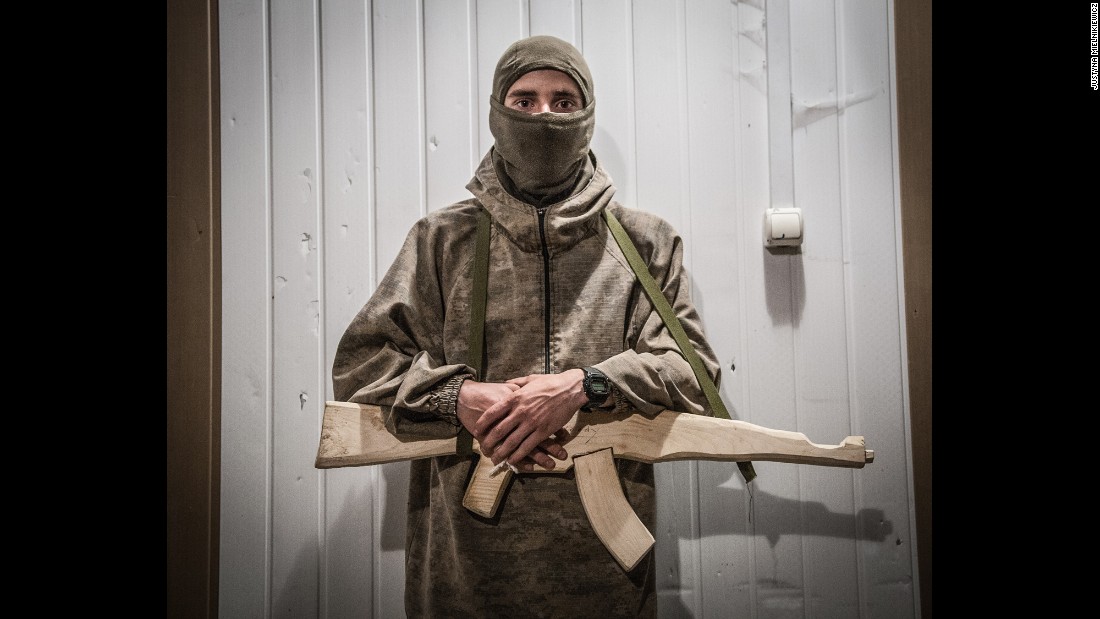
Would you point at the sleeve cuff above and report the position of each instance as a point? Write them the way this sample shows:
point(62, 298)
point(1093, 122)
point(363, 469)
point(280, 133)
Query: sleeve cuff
point(444, 398)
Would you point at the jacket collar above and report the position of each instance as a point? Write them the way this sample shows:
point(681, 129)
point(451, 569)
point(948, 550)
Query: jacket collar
point(567, 222)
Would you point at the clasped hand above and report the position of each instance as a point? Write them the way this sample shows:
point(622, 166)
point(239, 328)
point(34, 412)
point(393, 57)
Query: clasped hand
point(521, 420)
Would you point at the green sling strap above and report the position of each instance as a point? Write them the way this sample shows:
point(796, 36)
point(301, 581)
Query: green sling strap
point(480, 271)
point(661, 304)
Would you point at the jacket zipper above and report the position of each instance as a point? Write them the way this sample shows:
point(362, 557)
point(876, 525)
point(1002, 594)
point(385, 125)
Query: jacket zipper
point(546, 287)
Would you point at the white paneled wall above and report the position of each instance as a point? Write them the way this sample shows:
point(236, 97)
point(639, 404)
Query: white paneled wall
point(344, 121)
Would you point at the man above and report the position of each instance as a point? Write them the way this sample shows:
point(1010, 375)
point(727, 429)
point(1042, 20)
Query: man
point(564, 315)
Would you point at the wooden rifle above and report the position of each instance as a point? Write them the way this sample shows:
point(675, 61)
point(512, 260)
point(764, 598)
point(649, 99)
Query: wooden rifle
point(357, 435)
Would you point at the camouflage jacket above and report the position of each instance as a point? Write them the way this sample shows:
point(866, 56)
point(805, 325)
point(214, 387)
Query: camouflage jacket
point(538, 557)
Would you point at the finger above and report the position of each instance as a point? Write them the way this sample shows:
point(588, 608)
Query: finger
point(503, 438)
point(528, 448)
point(527, 465)
point(545, 455)
point(543, 458)
point(553, 448)
point(507, 445)
point(490, 419)
point(540, 458)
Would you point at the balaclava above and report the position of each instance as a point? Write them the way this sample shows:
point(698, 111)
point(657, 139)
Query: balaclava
point(561, 141)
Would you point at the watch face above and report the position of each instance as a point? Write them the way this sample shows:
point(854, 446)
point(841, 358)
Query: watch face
point(596, 384)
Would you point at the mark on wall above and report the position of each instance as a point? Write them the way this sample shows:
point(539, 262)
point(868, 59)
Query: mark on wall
point(804, 113)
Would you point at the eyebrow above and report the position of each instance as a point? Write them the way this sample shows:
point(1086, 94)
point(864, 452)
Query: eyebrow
point(556, 93)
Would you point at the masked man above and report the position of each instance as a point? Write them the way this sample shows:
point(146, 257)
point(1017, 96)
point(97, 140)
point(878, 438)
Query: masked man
point(565, 317)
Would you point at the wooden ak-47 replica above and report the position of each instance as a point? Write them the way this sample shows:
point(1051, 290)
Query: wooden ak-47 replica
point(357, 435)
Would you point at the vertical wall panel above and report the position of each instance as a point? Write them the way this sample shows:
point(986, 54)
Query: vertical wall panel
point(663, 152)
point(660, 113)
point(244, 574)
point(888, 542)
point(499, 24)
point(752, 182)
point(297, 372)
point(399, 134)
point(774, 287)
point(347, 502)
point(450, 87)
point(396, 33)
point(559, 18)
point(723, 495)
point(608, 49)
point(715, 252)
point(825, 497)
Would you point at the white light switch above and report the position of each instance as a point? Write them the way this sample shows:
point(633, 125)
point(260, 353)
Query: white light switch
point(783, 227)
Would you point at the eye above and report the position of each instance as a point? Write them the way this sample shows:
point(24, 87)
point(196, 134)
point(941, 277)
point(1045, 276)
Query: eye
point(566, 105)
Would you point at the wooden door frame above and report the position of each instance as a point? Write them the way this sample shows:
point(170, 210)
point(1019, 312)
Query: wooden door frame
point(194, 309)
point(913, 58)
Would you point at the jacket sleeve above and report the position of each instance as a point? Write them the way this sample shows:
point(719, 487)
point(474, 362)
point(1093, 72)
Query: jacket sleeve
point(392, 353)
point(651, 374)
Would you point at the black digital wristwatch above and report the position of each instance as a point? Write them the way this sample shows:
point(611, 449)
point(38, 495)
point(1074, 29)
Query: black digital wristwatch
point(596, 386)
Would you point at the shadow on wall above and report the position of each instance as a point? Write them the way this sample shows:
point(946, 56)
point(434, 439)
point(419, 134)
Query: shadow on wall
point(351, 531)
point(784, 284)
point(800, 517)
point(784, 517)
